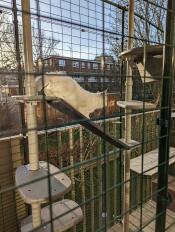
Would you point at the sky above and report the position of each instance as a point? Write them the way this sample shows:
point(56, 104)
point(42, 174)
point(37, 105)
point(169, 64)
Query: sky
point(77, 24)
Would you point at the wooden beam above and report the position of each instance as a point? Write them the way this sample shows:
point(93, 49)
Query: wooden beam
point(64, 107)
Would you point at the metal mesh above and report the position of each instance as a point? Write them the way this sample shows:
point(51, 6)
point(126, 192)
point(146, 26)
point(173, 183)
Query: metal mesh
point(84, 39)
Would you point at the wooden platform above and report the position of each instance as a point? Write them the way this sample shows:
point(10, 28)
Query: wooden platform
point(150, 161)
point(67, 109)
point(38, 191)
point(136, 105)
point(152, 71)
point(27, 99)
point(138, 53)
point(132, 144)
point(149, 213)
point(72, 215)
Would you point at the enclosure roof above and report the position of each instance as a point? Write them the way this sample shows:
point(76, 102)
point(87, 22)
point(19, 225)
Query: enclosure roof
point(137, 53)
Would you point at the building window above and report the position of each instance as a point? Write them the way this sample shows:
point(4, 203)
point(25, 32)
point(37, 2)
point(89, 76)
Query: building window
point(75, 64)
point(61, 63)
point(95, 66)
point(46, 62)
point(83, 64)
point(89, 65)
point(108, 66)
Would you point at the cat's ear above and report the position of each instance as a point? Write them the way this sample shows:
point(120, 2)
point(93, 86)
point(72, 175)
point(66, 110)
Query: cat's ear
point(106, 90)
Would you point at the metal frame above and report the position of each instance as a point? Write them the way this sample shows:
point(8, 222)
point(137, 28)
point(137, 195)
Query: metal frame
point(106, 159)
point(165, 118)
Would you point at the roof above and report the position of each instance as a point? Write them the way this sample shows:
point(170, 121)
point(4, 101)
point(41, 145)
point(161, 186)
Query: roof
point(108, 59)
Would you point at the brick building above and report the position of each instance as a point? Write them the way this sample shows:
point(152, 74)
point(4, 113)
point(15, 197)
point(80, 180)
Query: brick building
point(89, 73)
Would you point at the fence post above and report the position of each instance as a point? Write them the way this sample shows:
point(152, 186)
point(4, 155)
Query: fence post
point(165, 117)
point(82, 178)
point(31, 111)
point(128, 97)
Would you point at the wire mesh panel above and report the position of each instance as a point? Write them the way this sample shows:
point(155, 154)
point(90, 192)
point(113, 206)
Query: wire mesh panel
point(87, 117)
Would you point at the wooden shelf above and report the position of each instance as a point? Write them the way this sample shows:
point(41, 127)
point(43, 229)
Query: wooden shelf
point(150, 162)
point(136, 105)
point(138, 53)
point(27, 99)
point(72, 215)
point(148, 214)
point(132, 144)
point(38, 191)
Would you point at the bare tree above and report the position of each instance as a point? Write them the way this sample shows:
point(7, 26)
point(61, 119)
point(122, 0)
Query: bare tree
point(8, 61)
point(149, 24)
point(149, 29)
point(43, 44)
point(7, 43)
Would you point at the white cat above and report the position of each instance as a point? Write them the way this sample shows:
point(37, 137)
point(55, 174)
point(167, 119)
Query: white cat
point(62, 86)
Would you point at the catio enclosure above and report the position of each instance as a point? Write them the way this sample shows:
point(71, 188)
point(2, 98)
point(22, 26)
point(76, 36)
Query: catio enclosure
point(111, 169)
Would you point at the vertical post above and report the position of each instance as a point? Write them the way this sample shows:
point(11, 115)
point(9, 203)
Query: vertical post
point(120, 172)
point(114, 130)
point(91, 170)
point(20, 77)
point(165, 117)
point(60, 160)
point(30, 86)
point(82, 178)
point(108, 210)
point(72, 173)
point(99, 176)
point(128, 97)
point(102, 68)
point(30, 91)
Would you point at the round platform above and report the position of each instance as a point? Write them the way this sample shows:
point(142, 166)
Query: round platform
point(72, 215)
point(136, 105)
point(38, 191)
point(138, 53)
